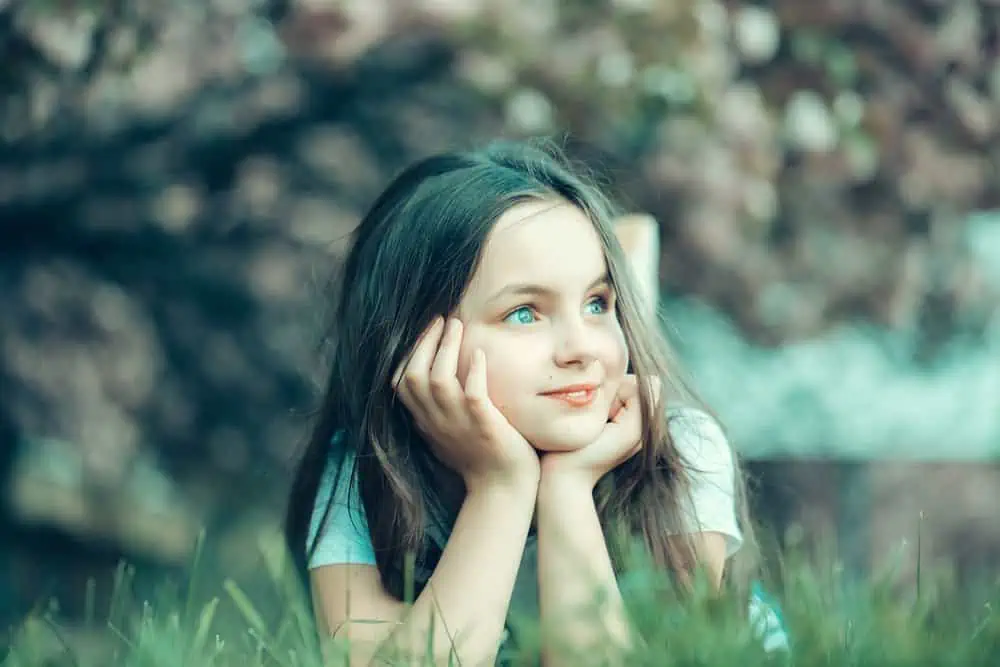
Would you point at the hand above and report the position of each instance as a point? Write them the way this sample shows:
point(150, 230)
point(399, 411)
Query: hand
point(620, 440)
point(465, 429)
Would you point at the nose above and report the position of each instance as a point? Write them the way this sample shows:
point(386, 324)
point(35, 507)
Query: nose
point(576, 343)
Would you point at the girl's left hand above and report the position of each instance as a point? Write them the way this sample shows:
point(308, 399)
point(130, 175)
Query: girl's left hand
point(620, 440)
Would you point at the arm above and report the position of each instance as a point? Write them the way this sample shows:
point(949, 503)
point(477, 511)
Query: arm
point(467, 596)
point(638, 234)
point(574, 564)
point(709, 516)
point(575, 571)
point(574, 568)
point(461, 611)
point(710, 552)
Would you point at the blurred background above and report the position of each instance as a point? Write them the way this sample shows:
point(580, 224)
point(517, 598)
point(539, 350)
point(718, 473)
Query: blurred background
point(178, 179)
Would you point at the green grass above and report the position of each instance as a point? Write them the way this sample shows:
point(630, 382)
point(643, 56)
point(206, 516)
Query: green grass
point(215, 623)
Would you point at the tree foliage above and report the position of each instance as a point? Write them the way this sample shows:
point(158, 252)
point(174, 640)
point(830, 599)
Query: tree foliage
point(177, 179)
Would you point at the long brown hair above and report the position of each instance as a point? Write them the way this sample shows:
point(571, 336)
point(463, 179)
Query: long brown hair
point(411, 258)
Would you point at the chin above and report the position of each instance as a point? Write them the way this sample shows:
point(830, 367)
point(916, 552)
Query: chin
point(553, 446)
point(567, 439)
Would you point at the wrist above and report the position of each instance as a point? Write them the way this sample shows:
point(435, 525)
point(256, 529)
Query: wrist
point(565, 485)
point(521, 484)
point(566, 478)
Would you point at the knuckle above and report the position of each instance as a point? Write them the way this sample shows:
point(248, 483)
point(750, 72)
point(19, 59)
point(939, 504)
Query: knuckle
point(440, 387)
point(410, 378)
point(476, 404)
point(405, 397)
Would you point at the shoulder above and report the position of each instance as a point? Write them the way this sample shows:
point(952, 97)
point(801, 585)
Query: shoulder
point(338, 526)
point(705, 453)
point(699, 438)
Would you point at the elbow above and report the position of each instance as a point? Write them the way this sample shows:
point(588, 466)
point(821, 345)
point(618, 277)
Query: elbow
point(447, 656)
point(396, 650)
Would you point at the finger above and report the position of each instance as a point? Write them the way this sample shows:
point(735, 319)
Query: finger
point(616, 407)
point(424, 351)
point(397, 377)
point(627, 391)
point(476, 394)
point(628, 412)
point(444, 384)
point(628, 426)
point(632, 413)
point(415, 375)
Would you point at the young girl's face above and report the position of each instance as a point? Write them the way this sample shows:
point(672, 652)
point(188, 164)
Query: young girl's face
point(542, 310)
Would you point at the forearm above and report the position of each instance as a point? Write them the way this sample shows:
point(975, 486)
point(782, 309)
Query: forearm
point(575, 570)
point(469, 593)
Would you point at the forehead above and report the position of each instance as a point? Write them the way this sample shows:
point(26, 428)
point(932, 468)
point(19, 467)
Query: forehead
point(544, 242)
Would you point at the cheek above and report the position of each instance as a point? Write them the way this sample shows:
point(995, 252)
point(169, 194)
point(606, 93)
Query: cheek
point(503, 371)
point(617, 360)
point(472, 339)
point(504, 375)
point(464, 360)
point(503, 385)
point(475, 338)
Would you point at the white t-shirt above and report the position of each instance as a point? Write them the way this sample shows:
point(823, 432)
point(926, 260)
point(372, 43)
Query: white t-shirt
point(698, 438)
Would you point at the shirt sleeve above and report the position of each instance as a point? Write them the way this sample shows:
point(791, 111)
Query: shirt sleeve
point(705, 451)
point(344, 536)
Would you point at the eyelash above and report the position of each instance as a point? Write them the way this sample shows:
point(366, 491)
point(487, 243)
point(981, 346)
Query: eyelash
point(605, 299)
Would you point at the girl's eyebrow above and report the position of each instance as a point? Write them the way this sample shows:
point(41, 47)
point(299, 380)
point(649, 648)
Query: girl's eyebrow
point(541, 290)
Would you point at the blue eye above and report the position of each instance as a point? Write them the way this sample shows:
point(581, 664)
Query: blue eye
point(602, 304)
point(522, 315)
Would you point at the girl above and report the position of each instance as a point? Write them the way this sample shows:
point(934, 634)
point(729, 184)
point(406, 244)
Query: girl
point(499, 402)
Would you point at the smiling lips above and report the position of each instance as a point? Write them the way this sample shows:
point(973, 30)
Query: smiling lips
point(577, 395)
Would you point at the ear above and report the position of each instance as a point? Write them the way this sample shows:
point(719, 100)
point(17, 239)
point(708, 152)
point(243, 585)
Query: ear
point(639, 235)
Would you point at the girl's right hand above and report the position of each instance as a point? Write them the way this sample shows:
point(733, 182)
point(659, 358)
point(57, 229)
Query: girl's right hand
point(464, 428)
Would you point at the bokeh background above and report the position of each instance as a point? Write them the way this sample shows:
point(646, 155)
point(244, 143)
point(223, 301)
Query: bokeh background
point(178, 179)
